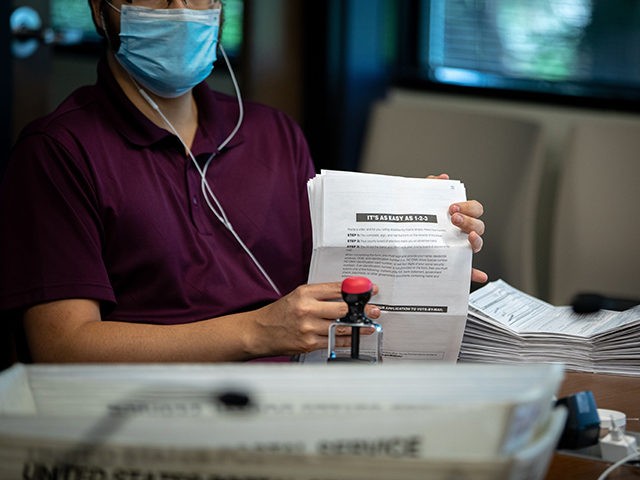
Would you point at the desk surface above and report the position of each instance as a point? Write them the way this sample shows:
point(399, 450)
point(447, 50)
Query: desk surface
point(612, 392)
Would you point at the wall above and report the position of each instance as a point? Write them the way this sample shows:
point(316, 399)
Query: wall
point(272, 57)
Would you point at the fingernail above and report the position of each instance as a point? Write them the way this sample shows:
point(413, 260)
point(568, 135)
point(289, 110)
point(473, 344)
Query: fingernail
point(457, 219)
point(479, 246)
point(375, 311)
point(455, 208)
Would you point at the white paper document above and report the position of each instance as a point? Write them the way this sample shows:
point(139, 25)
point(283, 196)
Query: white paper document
point(397, 232)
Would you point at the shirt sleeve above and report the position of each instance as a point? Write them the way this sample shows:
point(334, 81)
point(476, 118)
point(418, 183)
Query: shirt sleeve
point(51, 242)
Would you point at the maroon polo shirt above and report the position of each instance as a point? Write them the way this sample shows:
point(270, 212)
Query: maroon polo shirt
point(100, 203)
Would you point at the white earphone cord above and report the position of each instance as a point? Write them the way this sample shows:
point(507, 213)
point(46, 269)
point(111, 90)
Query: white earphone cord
point(207, 192)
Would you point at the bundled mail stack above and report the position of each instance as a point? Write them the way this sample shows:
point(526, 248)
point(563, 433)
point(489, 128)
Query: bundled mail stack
point(279, 421)
point(505, 325)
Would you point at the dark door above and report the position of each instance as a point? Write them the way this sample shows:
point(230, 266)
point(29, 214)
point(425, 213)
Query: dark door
point(26, 66)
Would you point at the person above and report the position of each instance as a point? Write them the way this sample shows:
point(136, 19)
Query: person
point(151, 219)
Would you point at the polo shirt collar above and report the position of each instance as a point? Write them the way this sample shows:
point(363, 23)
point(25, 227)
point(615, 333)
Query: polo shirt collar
point(215, 119)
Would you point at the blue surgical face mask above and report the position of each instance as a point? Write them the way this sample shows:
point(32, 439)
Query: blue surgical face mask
point(168, 51)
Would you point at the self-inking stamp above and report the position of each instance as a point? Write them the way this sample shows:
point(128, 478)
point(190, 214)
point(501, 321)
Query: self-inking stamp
point(356, 291)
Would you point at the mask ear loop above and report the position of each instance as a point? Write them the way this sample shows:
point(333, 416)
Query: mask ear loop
point(207, 191)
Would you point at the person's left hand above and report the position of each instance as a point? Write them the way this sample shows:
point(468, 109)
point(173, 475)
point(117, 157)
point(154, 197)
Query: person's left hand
point(466, 216)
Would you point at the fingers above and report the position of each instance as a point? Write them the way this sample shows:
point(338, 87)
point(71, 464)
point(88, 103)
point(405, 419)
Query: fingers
point(321, 327)
point(316, 304)
point(468, 224)
point(479, 276)
point(476, 242)
point(323, 291)
point(471, 208)
point(344, 331)
point(299, 322)
point(442, 176)
point(329, 290)
point(465, 216)
point(343, 335)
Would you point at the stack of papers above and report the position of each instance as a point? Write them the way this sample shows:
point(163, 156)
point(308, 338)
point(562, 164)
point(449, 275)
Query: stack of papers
point(320, 422)
point(506, 325)
point(397, 232)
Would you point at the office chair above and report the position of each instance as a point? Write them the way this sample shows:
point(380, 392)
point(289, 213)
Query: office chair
point(596, 232)
point(498, 158)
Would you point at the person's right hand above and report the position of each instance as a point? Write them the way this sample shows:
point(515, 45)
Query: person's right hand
point(299, 322)
point(72, 330)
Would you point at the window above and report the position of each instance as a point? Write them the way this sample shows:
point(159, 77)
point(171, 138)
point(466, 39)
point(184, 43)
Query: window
point(580, 49)
point(71, 20)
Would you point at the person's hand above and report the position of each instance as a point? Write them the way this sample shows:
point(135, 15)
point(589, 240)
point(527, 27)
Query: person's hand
point(299, 322)
point(466, 216)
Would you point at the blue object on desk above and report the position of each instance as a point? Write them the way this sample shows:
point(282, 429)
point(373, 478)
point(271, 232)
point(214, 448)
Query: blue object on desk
point(582, 428)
